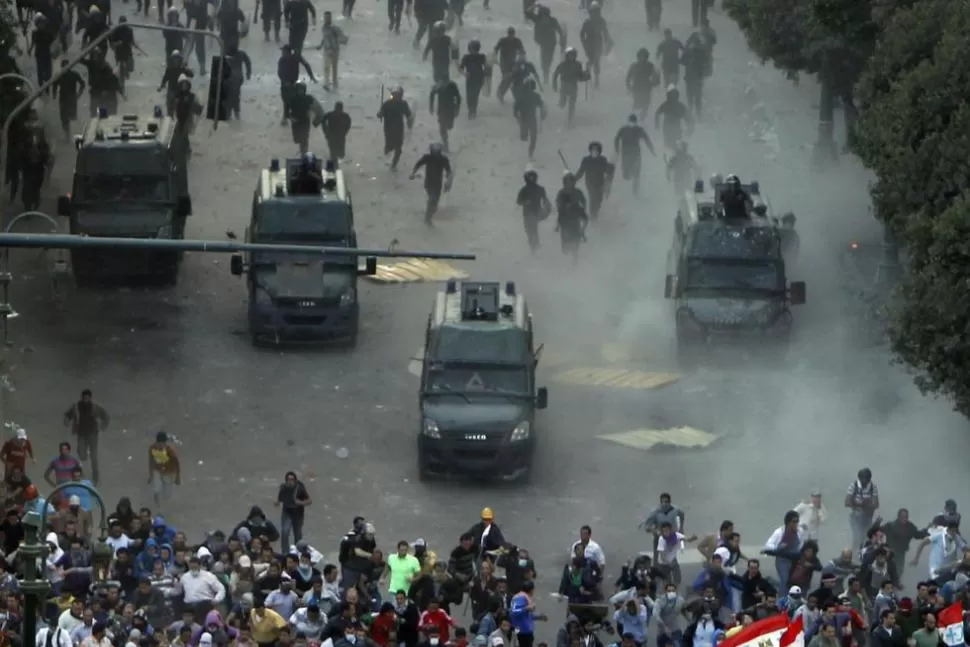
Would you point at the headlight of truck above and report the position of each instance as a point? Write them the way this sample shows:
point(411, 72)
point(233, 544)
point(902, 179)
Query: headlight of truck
point(262, 298)
point(430, 428)
point(521, 431)
point(348, 298)
point(165, 231)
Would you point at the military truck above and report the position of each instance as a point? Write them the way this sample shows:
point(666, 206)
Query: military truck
point(302, 298)
point(478, 397)
point(727, 277)
point(130, 181)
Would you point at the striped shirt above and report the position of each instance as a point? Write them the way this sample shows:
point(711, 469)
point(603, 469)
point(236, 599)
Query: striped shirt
point(862, 494)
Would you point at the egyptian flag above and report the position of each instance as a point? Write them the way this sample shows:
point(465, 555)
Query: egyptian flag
point(794, 636)
point(950, 622)
point(764, 633)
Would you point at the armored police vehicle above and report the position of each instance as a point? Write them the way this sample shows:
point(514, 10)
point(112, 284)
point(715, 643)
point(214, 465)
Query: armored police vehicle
point(727, 277)
point(302, 298)
point(130, 181)
point(478, 395)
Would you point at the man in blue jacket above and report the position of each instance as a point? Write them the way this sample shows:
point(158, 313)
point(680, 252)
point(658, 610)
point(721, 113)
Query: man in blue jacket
point(522, 615)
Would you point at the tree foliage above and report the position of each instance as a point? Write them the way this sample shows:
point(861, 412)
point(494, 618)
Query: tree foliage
point(914, 132)
point(832, 38)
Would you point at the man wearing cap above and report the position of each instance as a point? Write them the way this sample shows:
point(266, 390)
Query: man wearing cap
point(283, 600)
point(164, 468)
point(486, 535)
point(75, 513)
point(15, 451)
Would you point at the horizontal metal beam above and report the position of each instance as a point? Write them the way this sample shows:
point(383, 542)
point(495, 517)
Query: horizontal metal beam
point(66, 241)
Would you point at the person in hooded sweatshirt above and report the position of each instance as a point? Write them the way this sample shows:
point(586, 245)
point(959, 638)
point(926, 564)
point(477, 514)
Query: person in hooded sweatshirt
point(145, 561)
point(162, 532)
point(55, 563)
point(221, 633)
point(258, 525)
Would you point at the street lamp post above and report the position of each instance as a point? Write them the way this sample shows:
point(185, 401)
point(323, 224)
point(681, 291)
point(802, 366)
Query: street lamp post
point(35, 585)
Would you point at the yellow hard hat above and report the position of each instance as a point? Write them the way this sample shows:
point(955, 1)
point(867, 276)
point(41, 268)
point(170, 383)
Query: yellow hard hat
point(487, 514)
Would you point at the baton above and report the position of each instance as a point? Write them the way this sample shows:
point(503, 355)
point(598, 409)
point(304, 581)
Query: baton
point(562, 157)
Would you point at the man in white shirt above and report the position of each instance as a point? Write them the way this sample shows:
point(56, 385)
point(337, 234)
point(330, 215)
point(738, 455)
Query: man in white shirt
point(201, 590)
point(57, 636)
point(72, 617)
point(811, 515)
point(591, 550)
point(670, 544)
point(785, 544)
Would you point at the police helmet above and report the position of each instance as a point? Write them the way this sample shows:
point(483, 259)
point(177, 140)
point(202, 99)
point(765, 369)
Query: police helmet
point(397, 91)
point(184, 79)
point(510, 32)
point(732, 181)
point(568, 177)
point(474, 45)
point(175, 54)
point(300, 86)
point(435, 148)
point(309, 160)
point(95, 9)
point(123, 19)
point(643, 54)
point(440, 26)
point(173, 11)
point(672, 91)
point(531, 176)
point(594, 6)
point(632, 119)
point(39, 18)
point(598, 147)
point(543, 10)
point(571, 53)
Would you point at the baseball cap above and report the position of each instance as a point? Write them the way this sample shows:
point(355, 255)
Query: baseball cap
point(22, 434)
point(74, 500)
point(795, 590)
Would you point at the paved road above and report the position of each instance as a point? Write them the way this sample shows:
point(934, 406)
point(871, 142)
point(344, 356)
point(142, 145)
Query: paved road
point(180, 360)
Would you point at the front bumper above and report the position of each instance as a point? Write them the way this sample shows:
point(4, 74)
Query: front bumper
point(482, 459)
point(124, 263)
point(304, 325)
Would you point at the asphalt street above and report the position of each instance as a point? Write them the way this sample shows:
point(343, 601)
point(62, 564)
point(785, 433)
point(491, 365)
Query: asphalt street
point(735, 440)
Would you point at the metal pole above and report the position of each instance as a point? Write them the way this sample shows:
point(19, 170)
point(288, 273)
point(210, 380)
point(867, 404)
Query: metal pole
point(34, 547)
point(67, 241)
point(23, 105)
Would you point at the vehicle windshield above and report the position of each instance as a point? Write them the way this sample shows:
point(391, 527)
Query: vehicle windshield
point(477, 379)
point(123, 188)
point(297, 220)
point(720, 275)
point(488, 343)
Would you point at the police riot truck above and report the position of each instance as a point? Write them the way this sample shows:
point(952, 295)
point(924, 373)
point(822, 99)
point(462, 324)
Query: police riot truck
point(302, 298)
point(727, 277)
point(478, 397)
point(130, 181)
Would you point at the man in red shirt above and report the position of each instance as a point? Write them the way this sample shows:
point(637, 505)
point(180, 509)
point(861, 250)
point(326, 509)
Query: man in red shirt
point(436, 621)
point(15, 451)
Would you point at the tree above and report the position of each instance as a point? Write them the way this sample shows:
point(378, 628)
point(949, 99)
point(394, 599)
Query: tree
point(832, 39)
point(914, 132)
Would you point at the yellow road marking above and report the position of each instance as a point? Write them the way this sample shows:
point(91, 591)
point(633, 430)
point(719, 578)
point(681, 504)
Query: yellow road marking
point(618, 378)
point(647, 439)
point(416, 271)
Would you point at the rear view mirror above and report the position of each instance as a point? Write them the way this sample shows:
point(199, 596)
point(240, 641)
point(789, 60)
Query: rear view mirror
point(542, 398)
point(236, 264)
point(796, 293)
point(63, 206)
point(370, 267)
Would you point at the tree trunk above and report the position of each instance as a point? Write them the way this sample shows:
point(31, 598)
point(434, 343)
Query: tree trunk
point(825, 152)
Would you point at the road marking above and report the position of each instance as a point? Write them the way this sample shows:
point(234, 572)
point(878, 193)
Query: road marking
point(650, 439)
point(616, 378)
point(416, 270)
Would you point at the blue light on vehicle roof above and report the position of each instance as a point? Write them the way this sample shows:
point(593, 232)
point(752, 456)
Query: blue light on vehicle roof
point(102, 112)
point(158, 112)
point(274, 165)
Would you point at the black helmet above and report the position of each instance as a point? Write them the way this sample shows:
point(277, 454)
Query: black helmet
point(643, 54)
point(435, 148)
point(568, 178)
point(531, 176)
point(597, 146)
point(632, 119)
point(510, 31)
point(474, 45)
